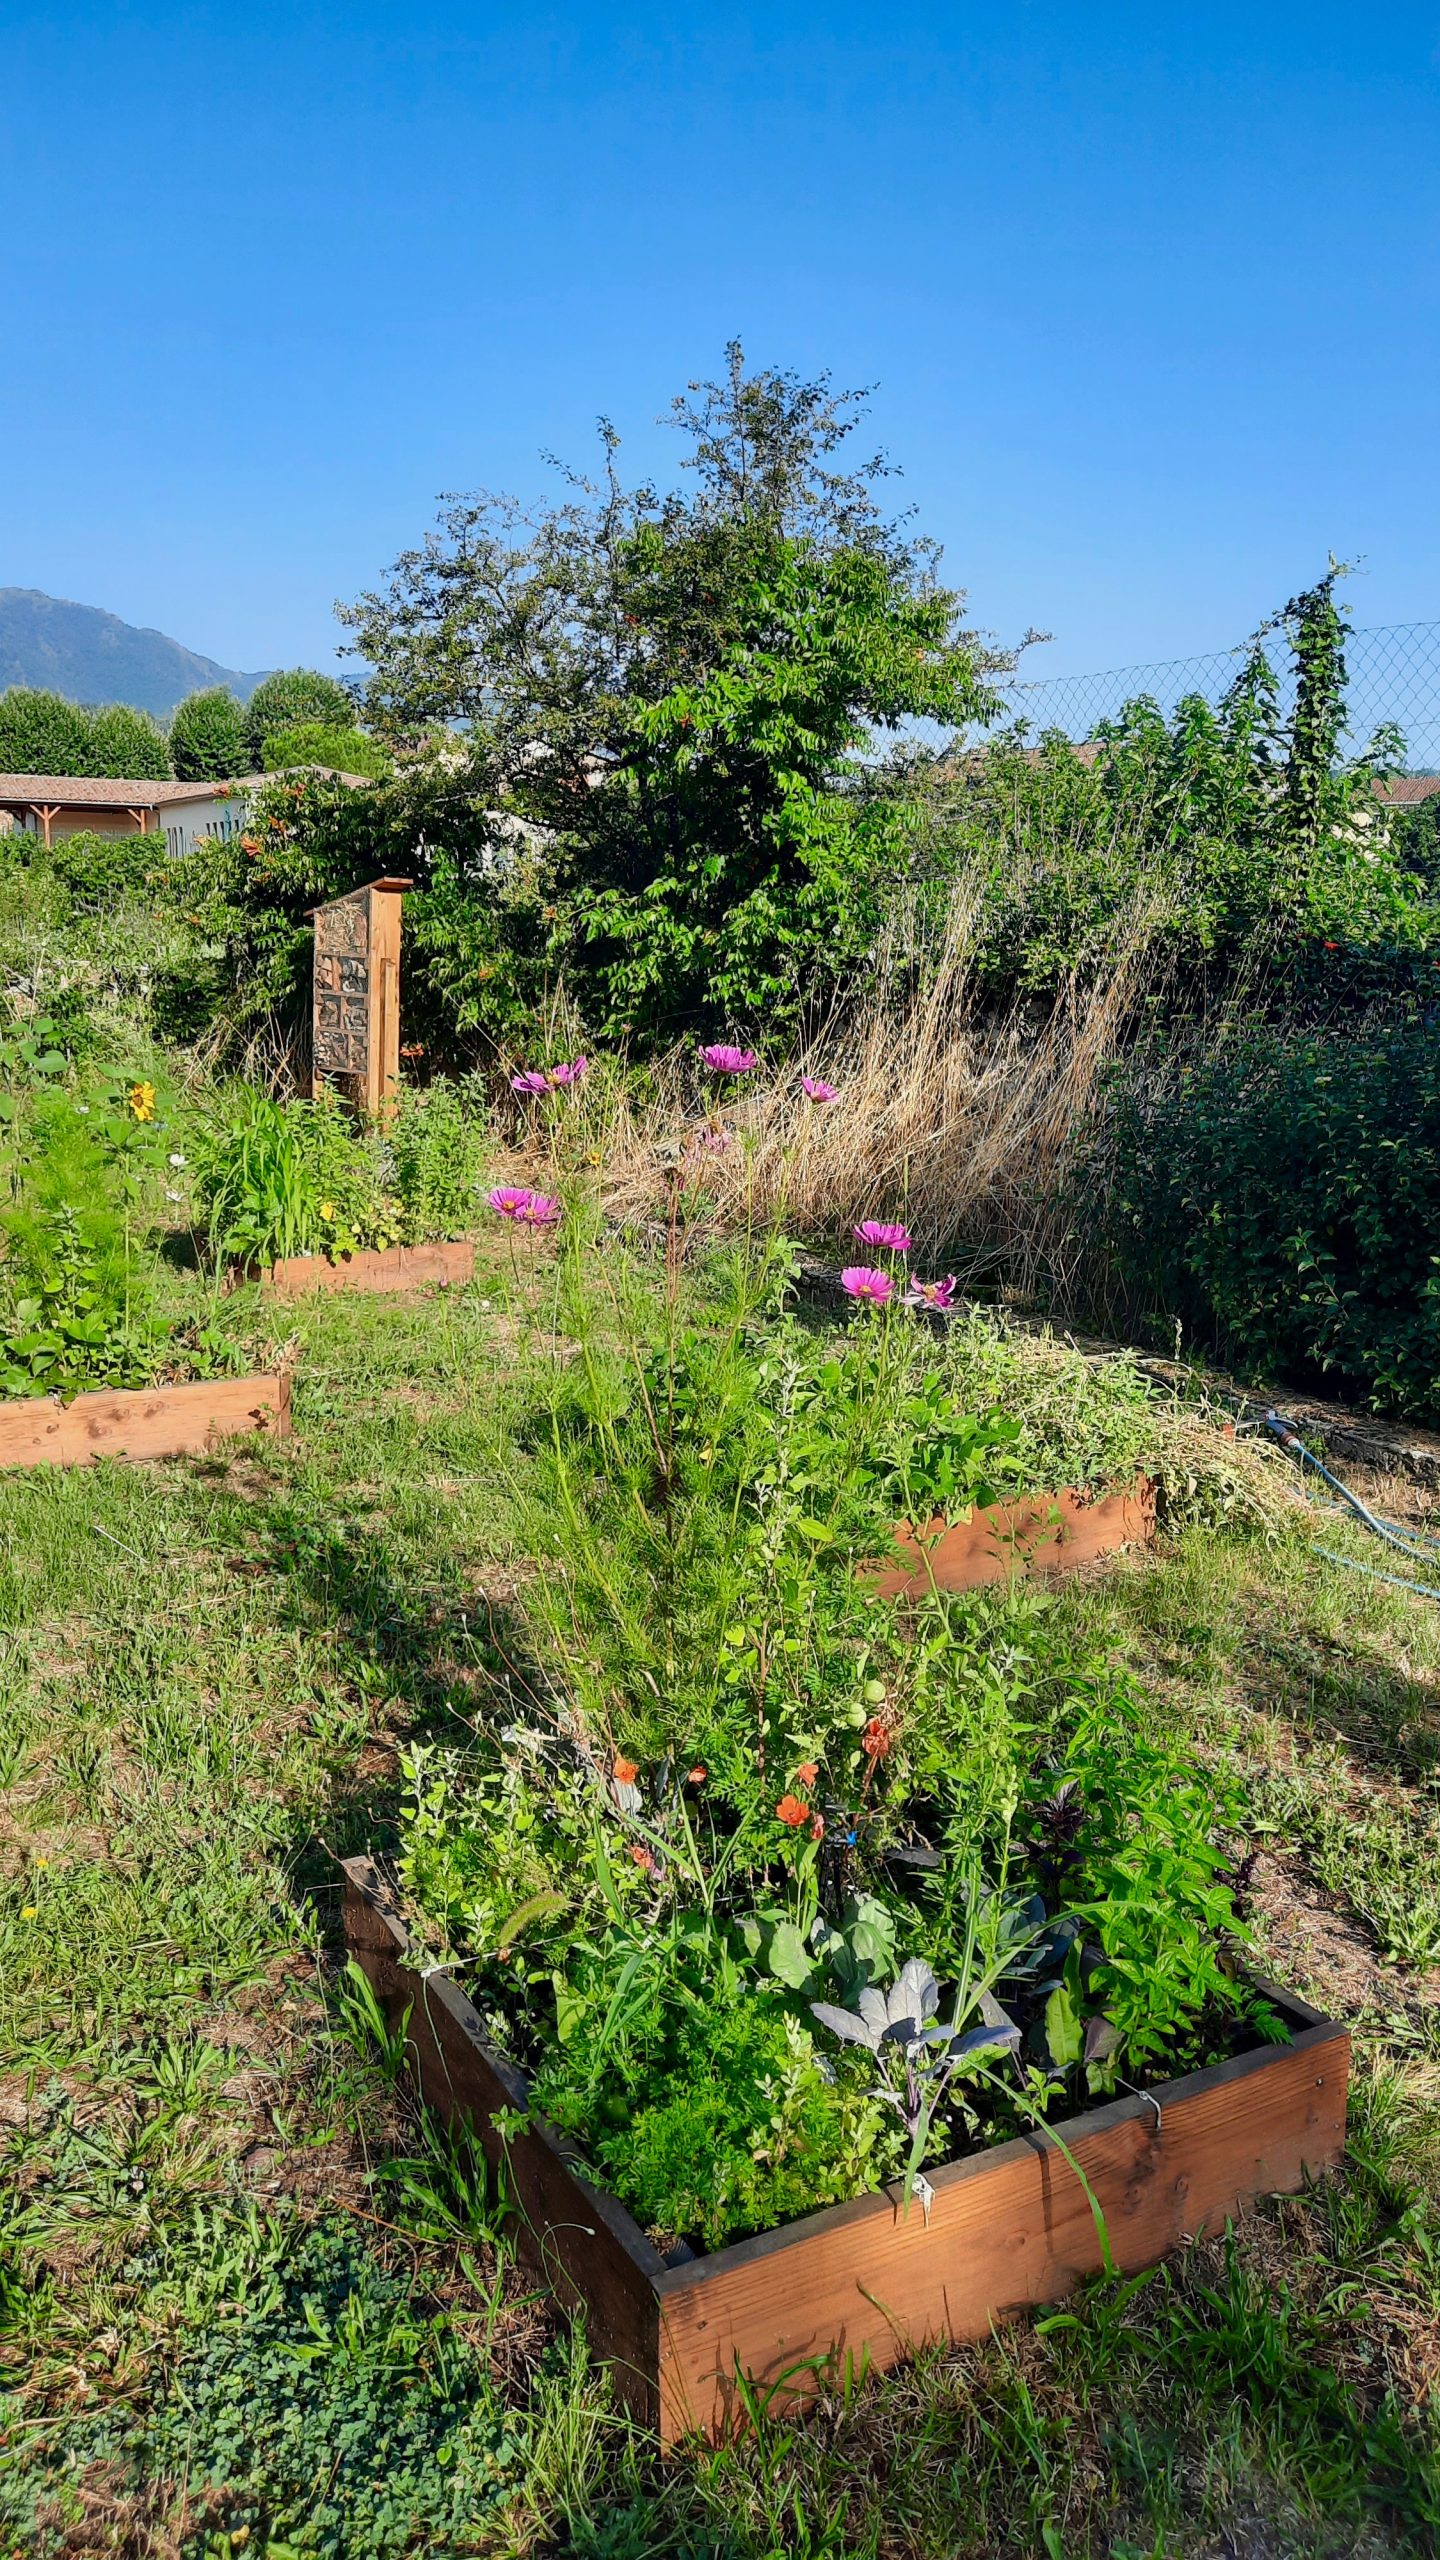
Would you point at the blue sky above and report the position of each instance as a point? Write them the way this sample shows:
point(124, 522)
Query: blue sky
point(1150, 296)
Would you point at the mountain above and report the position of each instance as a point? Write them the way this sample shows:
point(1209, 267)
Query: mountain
point(92, 656)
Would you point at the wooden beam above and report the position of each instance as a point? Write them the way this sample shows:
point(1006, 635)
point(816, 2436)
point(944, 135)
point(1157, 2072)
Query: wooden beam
point(142, 1422)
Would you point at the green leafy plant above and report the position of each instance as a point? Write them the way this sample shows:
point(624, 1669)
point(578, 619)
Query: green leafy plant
point(433, 1152)
point(274, 1179)
point(1279, 1190)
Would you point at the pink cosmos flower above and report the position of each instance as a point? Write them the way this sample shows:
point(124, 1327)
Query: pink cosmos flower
point(538, 1211)
point(882, 1233)
point(507, 1202)
point(815, 1091)
point(726, 1061)
point(571, 1074)
point(530, 1080)
point(931, 1293)
point(873, 1286)
point(710, 1140)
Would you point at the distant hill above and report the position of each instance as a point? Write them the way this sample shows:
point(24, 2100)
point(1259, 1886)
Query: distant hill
point(92, 656)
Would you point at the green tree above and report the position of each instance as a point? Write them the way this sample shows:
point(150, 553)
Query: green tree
point(292, 696)
point(124, 742)
point(346, 750)
point(41, 732)
point(208, 737)
point(683, 690)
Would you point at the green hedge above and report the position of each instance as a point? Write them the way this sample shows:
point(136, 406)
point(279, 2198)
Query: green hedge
point(1280, 1192)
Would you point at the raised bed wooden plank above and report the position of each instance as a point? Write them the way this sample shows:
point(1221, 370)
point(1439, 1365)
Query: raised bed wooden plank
point(1008, 2229)
point(142, 1422)
point(590, 2251)
point(1042, 1533)
point(399, 1266)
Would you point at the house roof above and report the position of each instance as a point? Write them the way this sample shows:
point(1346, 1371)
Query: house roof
point(96, 791)
point(1407, 790)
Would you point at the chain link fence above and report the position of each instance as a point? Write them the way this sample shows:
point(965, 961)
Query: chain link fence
point(1393, 675)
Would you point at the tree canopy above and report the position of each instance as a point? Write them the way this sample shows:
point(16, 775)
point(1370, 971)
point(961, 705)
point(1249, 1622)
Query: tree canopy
point(208, 738)
point(291, 696)
point(683, 688)
point(40, 732)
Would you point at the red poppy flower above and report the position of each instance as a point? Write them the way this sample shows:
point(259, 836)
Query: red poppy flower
point(642, 1857)
point(697, 1776)
point(792, 1812)
point(625, 1773)
point(807, 1773)
point(876, 1739)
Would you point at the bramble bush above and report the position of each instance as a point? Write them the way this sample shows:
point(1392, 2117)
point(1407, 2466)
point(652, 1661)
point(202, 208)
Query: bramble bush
point(1279, 1191)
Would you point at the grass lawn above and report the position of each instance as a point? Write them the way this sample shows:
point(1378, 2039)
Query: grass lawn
point(252, 2301)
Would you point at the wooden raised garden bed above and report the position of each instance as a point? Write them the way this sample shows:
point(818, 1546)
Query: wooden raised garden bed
point(142, 1422)
point(399, 1266)
point(1040, 1533)
point(865, 2281)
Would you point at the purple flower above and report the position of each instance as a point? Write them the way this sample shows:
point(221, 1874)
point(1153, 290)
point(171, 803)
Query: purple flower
point(571, 1074)
point(507, 1202)
point(710, 1139)
point(886, 1237)
point(727, 1061)
point(530, 1080)
point(931, 1293)
point(538, 1211)
point(815, 1091)
point(873, 1286)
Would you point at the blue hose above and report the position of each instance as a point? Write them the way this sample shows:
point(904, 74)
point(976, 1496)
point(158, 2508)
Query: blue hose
point(1424, 1590)
point(1423, 1550)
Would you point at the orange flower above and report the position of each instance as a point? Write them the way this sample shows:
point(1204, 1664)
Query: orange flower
point(792, 1812)
point(807, 1773)
point(642, 1857)
point(876, 1739)
point(697, 1776)
point(625, 1773)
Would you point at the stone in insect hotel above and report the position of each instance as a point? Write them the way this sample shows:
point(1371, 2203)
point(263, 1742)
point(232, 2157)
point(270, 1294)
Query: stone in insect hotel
point(356, 1022)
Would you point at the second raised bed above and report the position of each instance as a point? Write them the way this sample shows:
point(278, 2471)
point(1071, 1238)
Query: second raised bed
point(396, 1267)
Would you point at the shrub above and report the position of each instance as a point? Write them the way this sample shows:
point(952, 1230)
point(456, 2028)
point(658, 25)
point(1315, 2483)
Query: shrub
point(208, 737)
point(291, 697)
point(1279, 1190)
point(100, 870)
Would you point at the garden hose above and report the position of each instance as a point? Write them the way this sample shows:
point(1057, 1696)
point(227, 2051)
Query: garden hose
point(1332, 1555)
point(1421, 1548)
